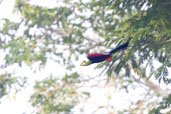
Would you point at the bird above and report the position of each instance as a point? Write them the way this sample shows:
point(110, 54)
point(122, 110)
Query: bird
point(100, 57)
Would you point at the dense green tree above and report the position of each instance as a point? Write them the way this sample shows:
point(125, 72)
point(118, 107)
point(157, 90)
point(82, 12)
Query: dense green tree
point(47, 32)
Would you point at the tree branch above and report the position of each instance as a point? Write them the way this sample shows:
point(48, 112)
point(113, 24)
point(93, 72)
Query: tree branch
point(155, 87)
point(150, 84)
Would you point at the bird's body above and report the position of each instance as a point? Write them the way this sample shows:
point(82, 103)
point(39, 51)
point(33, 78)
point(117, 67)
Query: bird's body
point(100, 57)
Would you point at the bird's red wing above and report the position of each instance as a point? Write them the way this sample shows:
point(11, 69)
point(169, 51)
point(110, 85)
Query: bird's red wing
point(109, 58)
point(95, 55)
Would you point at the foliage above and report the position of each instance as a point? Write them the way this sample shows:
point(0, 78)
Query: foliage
point(165, 103)
point(59, 33)
point(55, 95)
point(7, 82)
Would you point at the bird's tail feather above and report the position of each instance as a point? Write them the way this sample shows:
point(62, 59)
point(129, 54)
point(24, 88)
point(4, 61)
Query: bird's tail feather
point(121, 47)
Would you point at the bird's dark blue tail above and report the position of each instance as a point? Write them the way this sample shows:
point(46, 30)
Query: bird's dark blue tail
point(121, 47)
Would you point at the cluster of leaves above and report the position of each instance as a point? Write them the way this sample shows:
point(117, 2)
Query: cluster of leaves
point(164, 104)
point(44, 32)
point(55, 95)
point(163, 75)
point(148, 28)
point(7, 82)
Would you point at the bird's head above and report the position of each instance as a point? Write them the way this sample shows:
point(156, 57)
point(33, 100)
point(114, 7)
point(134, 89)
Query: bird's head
point(85, 63)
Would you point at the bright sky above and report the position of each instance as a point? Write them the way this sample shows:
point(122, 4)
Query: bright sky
point(20, 104)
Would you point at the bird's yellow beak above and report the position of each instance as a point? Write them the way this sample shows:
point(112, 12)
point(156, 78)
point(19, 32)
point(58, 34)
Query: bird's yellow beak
point(85, 63)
